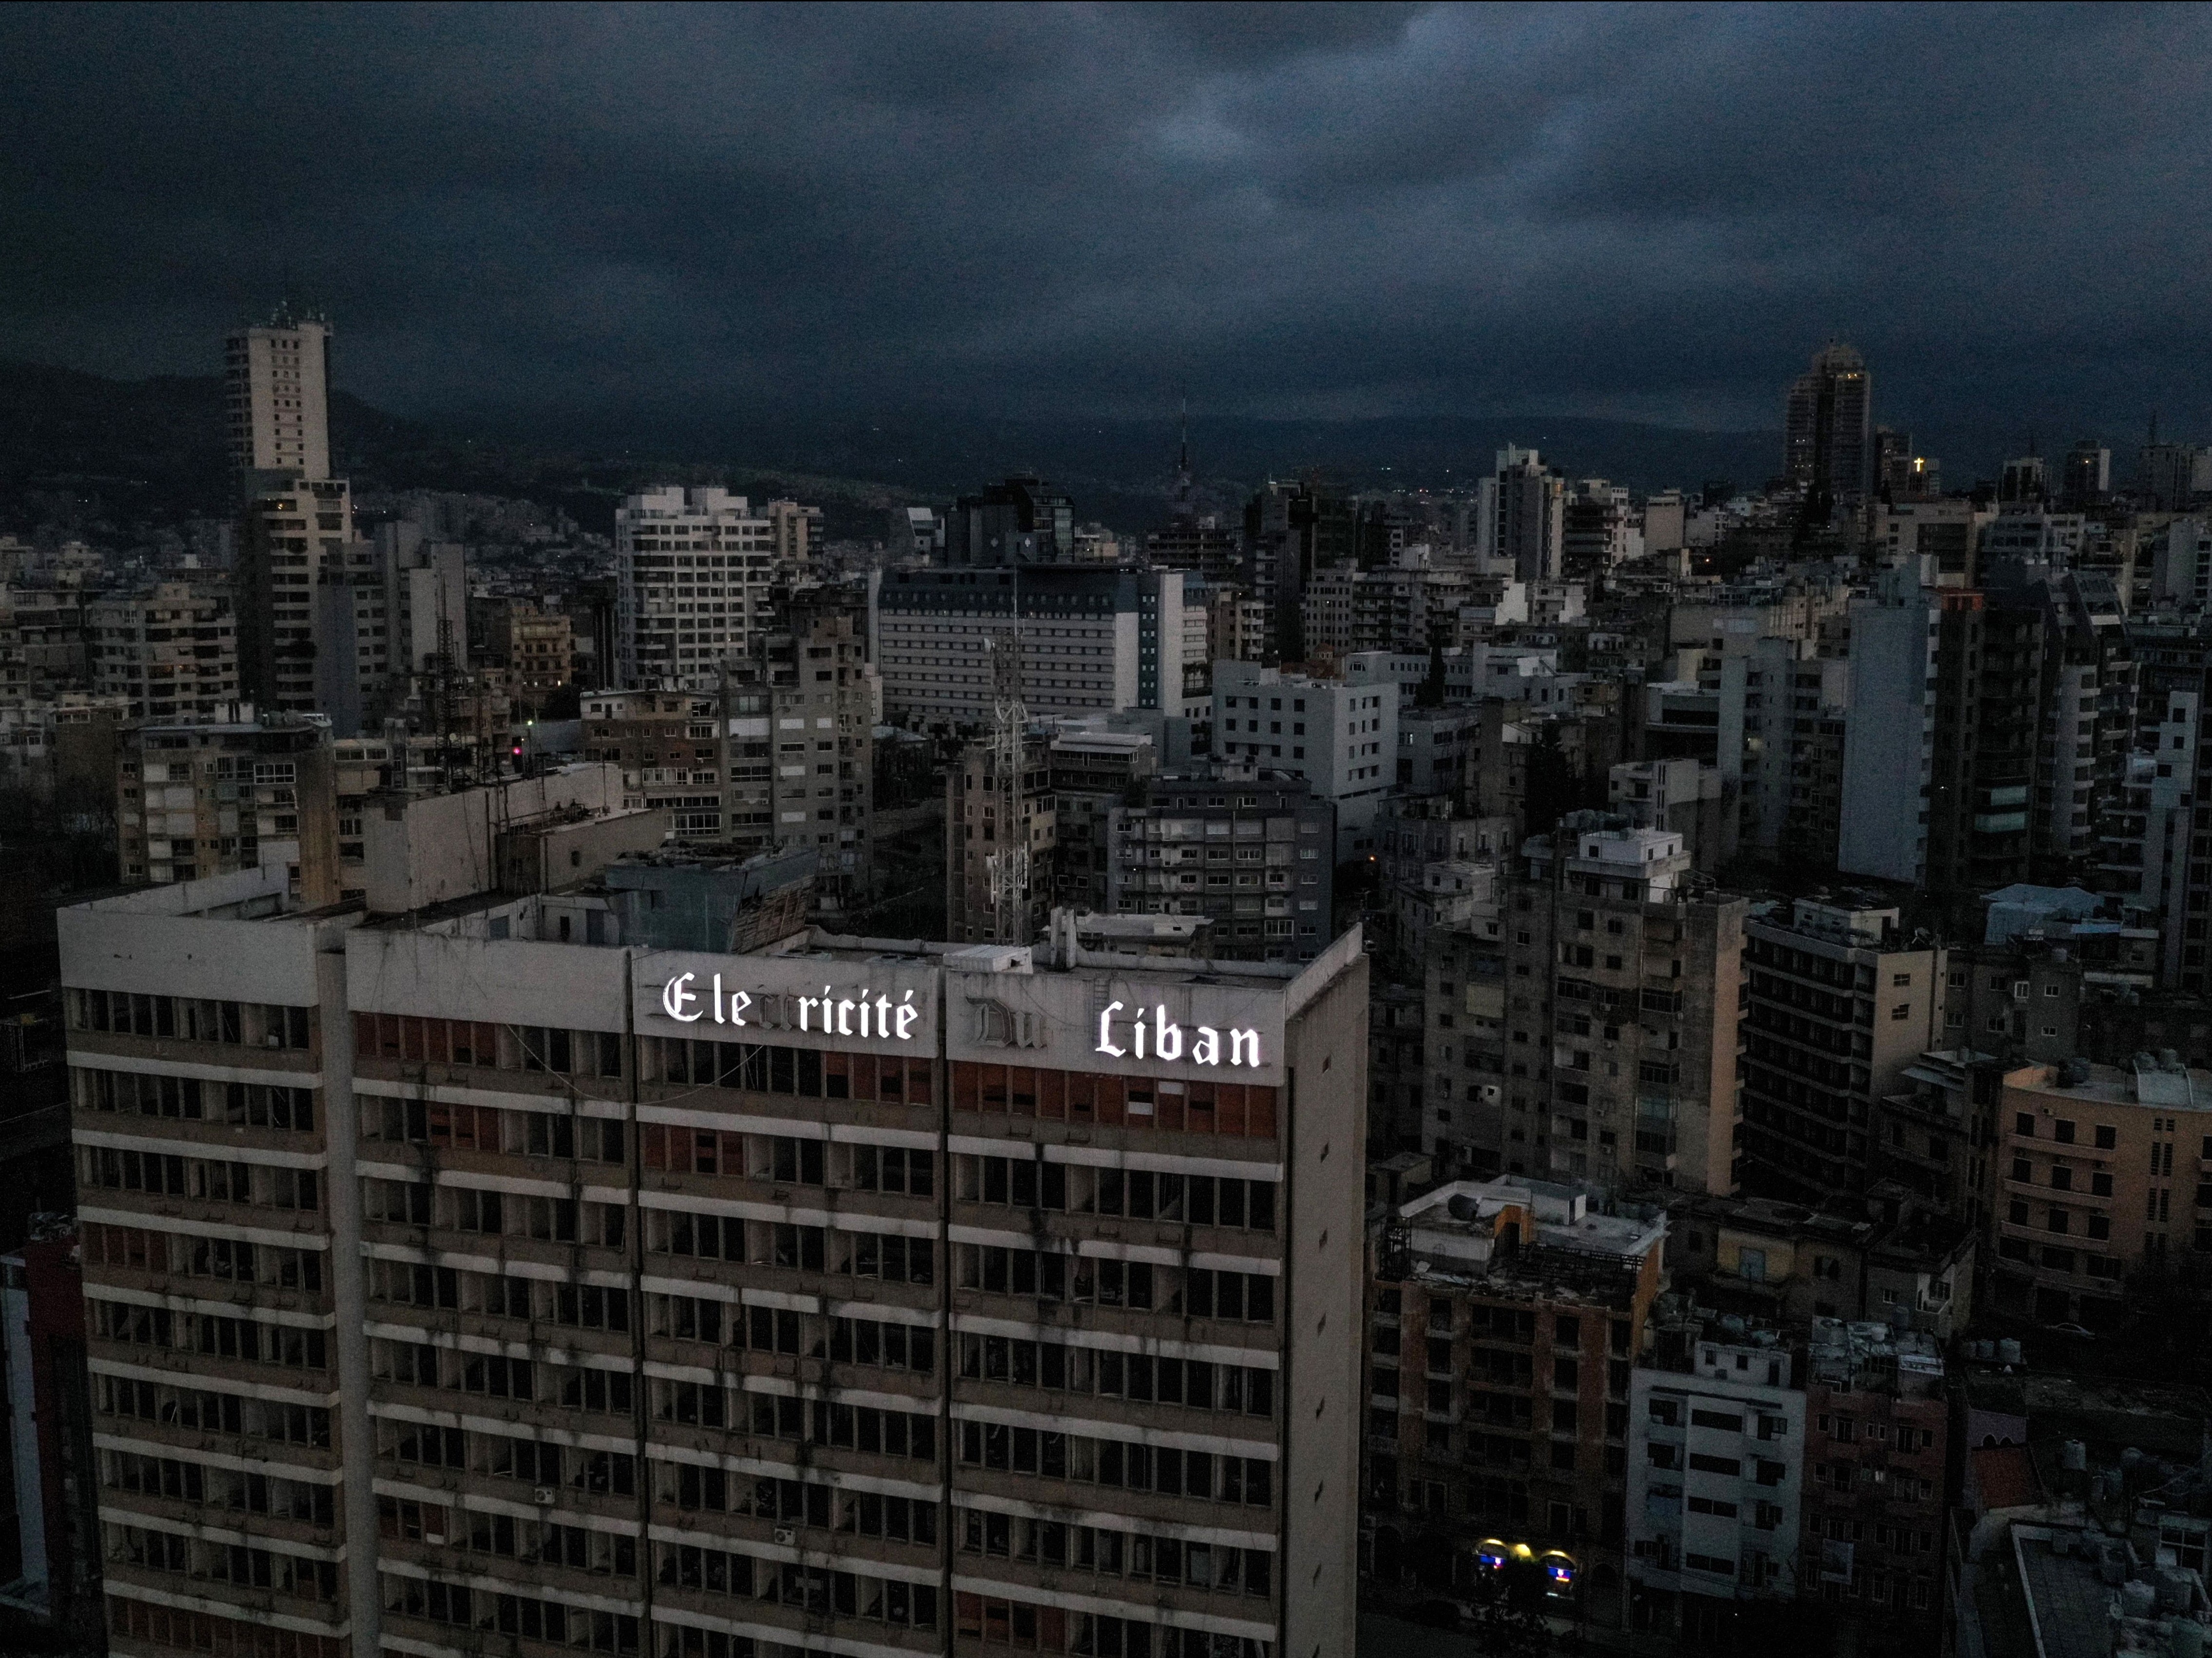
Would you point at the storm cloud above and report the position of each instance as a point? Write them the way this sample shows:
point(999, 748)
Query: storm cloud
point(1648, 213)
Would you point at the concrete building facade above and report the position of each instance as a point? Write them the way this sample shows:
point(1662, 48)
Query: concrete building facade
point(481, 1277)
point(692, 572)
point(1838, 1003)
point(1623, 987)
point(169, 653)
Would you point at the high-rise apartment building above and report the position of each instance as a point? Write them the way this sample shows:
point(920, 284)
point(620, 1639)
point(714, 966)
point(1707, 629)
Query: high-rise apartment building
point(1623, 979)
point(2171, 477)
point(1092, 771)
point(1251, 848)
point(1340, 736)
point(1827, 428)
point(1505, 1318)
point(2087, 480)
point(1529, 522)
point(482, 1278)
point(170, 653)
point(693, 568)
point(315, 620)
point(1889, 734)
point(276, 389)
point(1838, 1003)
point(801, 721)
point(1291, 530)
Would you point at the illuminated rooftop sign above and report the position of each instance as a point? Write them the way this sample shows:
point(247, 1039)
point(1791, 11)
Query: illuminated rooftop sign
point(829, 1014)
point(1165, 1040)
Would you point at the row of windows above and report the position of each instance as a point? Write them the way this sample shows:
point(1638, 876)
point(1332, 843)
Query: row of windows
point(215, 1412)
point(190, 1018)
point(576, 1547)
point(873, 1342)
point(188, 1099)
point(1200, 1384)
point(817, 1591)
point(885, 1256)
point(168, 1175)
point(211, 1334)
point(1196, 1293)
point(231, 1490)
point(1136, 1194)
point(524, 1616)
point(488, 1128)
point(215, 1637)
point(789, 1161)
point(1115, 1553)
point(504, 1456)
point(235, 1563)
point(798, 1503)
point(414, 1040)
point(466, 1209)
point(1219, 1478)
point(783, 1415)
point(1028, 1628)
point(1237, 1109)
point(699, 1063)
point(193, 1256)
point(574, 1388)
point(578, 1306)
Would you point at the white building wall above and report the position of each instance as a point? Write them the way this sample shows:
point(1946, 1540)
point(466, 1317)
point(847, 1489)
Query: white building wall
point(1716, 1475)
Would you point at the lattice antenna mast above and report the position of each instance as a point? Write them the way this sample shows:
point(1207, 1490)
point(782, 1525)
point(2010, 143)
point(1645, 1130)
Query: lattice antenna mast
point(1007, 870)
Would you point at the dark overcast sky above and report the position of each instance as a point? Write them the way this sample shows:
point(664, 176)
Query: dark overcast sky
point(1652, 213)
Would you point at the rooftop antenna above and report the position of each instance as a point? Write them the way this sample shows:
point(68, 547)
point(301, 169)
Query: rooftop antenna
point(1007, 870)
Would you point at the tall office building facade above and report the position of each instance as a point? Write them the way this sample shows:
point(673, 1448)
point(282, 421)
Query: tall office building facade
point(693, 568)
point(1827, 427)
point(276, 390)
point(489, 1282)
point(1093, 641)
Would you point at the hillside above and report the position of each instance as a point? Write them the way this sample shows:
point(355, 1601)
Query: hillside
point(78, 446)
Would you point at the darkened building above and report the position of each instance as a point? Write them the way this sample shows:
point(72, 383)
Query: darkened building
point(1505, 1318)
point(1023, 520)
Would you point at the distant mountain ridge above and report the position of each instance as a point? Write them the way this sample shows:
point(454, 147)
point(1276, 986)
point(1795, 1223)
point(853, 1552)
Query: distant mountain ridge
point(157, 444)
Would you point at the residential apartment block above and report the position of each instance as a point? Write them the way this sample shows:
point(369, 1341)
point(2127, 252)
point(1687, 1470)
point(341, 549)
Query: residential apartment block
point(1837, 1002)
point(1249, 848)
point(170, 653)
point(1622, 997)
point(1714, 1484)
point(1504, 1319)
point(692, 573)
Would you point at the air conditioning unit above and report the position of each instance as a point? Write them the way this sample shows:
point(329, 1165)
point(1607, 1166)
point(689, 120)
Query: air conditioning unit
point(542, 1494)
point(786, 1535)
